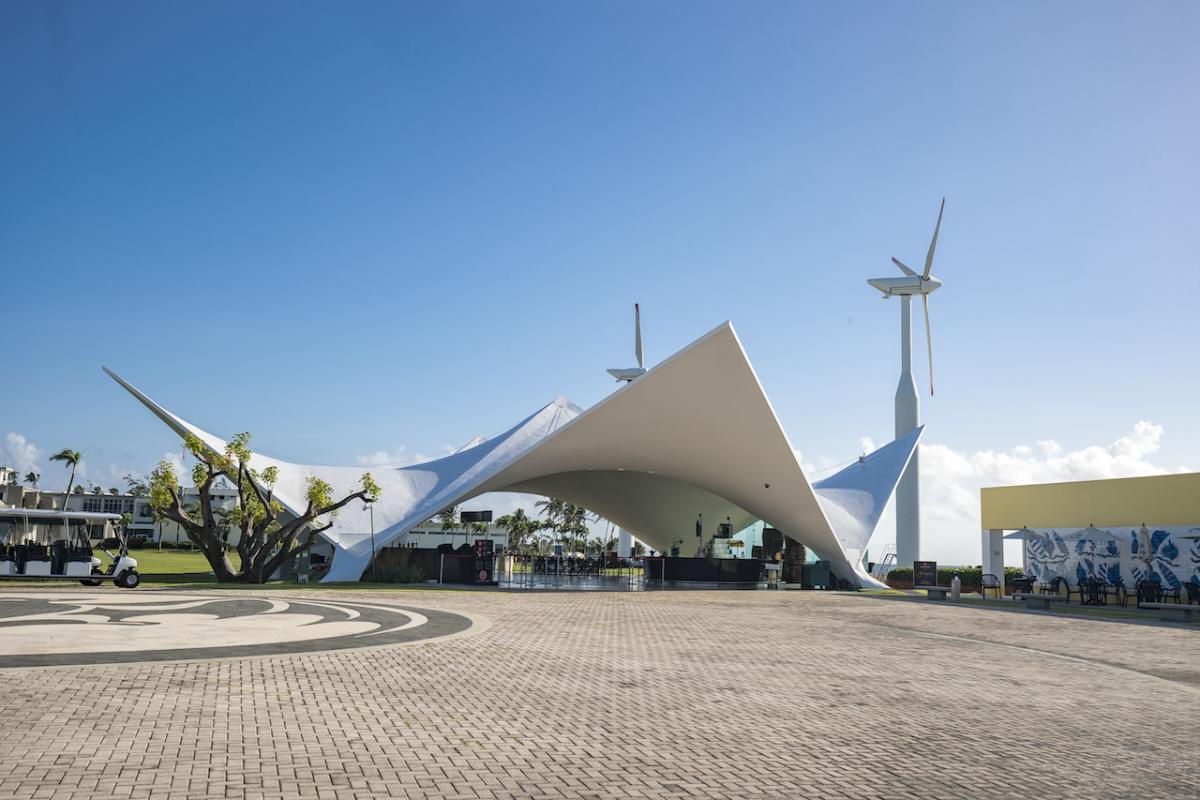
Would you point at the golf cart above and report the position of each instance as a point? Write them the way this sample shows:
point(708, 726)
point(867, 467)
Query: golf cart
point(48, 544)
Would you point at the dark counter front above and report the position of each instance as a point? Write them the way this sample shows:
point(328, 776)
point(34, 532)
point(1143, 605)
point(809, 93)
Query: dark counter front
point(704, 570)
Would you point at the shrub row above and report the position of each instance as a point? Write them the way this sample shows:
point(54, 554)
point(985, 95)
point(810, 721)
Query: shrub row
point(971, 578)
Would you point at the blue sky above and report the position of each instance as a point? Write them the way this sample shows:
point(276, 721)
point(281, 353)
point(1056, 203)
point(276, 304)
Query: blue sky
point(354, 227)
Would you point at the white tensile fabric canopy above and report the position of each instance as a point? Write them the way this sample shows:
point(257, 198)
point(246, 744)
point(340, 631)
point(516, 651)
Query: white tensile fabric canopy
point(694, 435)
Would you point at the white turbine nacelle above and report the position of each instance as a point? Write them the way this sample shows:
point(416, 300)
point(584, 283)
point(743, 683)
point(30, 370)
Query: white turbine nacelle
point(905, 286)
point(627, 374)
point(630, 373)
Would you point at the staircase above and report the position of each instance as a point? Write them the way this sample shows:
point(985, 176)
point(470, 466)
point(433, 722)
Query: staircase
point(885, 564)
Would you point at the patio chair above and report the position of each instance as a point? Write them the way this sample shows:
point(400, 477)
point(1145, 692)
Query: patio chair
point(1080, 589)
point(1119, 592)
point(1149, 592)
point(1056, 586)
point(1191, 592)
point(990, 582)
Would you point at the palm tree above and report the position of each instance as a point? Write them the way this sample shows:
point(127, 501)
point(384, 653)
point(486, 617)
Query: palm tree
point(573, 524)
point(551, 508)
point(448, 517)
point(520, 527)
point(32, 478)
point(69, 458)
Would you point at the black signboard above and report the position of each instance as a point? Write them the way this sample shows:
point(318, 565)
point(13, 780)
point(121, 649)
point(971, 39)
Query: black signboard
point(924, 573)
point(772, 543)
point(475, 516)
point(484, 549)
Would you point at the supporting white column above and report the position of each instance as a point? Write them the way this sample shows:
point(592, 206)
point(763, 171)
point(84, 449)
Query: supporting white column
point(624, 543)
point(908, 416)
point(993, 555)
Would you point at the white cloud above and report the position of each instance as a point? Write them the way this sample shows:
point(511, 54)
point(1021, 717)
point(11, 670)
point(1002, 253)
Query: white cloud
point(20, 454)
point(400, 457)
point(951, 480)
point(379, 458)
point(175, 459)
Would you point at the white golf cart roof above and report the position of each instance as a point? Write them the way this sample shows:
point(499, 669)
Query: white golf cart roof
point(54, 513)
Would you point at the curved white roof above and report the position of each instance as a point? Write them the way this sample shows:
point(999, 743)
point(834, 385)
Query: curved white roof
point(695, 434)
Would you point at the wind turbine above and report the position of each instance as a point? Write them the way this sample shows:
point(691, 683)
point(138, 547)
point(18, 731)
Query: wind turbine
point(633, 372)
point(908, 406)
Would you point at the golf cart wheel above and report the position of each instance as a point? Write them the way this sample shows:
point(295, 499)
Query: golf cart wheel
point(129, 579)
point(92, 581)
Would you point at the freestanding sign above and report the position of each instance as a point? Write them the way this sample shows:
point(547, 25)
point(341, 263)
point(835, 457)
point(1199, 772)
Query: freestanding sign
point(924, 573)
point(484, 550)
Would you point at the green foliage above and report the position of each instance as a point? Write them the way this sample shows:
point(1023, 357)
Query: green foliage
point(319, 494)
point(136, 486)
point(164, 486)
point(238, 448)
point(69, 458)
point(400, 573)
point(448, 517)
point(520, 530)
point(969, 577)
point(200, 474)
point(269, 476)
point(566, 519)
point(370, 488)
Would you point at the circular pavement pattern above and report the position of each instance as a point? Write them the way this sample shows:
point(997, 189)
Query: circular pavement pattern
point(107, 628)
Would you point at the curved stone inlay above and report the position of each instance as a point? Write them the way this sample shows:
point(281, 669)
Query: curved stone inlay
point(62, 629)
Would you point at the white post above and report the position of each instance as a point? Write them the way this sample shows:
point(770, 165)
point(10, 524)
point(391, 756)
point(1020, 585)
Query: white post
point(908, 416)
point(624, 543)
point(993, 555)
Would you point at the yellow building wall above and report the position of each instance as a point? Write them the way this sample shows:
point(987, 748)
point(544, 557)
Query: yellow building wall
point(1162, 500)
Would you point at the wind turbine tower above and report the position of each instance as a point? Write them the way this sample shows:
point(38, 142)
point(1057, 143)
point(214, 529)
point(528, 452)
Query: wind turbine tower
point(908, 406)
point(629, 375)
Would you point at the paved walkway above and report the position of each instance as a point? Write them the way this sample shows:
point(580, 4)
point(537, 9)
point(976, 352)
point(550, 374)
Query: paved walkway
point(679, 694)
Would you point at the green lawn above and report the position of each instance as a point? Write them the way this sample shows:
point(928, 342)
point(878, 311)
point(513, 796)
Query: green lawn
point(152, 561)
point(189, 569)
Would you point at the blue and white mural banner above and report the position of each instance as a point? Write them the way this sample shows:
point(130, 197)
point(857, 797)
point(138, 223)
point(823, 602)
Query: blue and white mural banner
point(1115, 554)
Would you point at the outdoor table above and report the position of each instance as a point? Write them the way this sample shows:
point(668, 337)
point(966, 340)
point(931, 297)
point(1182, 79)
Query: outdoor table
point(1023, 584)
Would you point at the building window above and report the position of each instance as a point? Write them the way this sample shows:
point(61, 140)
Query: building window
point(92, 505)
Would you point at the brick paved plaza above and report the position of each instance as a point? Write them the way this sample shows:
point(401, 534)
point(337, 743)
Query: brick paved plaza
point(685, 694)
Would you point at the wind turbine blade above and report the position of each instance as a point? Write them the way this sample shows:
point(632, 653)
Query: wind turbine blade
point(637, 332)
point(910, 273)
point(933, 242)
point(928, 341)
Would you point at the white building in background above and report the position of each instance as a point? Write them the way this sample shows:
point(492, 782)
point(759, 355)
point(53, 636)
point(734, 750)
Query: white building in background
point(142, 522)
point(432, 536)
point(694, 437)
